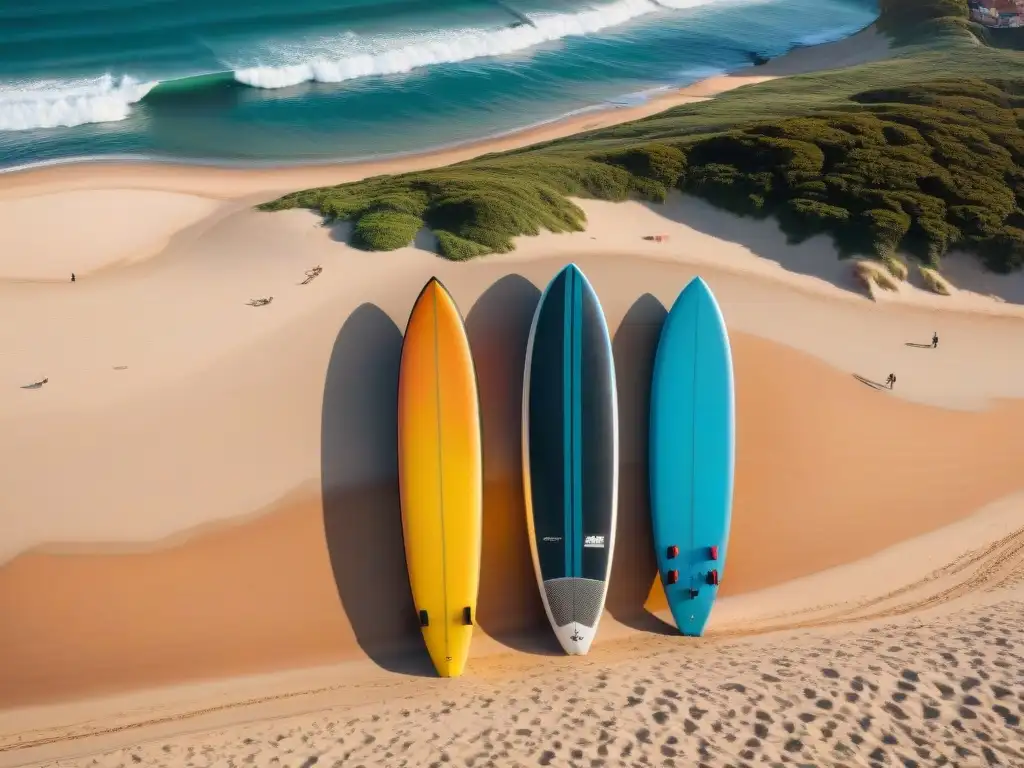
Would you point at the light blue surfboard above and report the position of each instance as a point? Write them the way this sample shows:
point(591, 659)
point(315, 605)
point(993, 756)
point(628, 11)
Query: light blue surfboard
point(692, 454)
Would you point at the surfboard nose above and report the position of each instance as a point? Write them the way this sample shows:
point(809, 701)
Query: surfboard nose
point(572, 269)
point(697, 285)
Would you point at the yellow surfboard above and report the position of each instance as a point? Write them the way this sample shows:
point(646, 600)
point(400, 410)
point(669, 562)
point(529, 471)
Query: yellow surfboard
point(440, 472)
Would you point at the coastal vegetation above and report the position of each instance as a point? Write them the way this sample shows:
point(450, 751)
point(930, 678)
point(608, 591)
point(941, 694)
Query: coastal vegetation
point(871, 275)
point(914, 154)
point(935, 282)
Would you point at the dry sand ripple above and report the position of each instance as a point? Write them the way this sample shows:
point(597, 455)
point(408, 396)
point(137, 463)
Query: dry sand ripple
point(944, 691)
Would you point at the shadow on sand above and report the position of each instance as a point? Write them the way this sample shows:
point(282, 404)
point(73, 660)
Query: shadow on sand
point(915, 344)
point(968, 273)
point(634, 568)
point(359, 483)
point(869, 382)
point(816, 257)
point(339, 231)
point(510, 609)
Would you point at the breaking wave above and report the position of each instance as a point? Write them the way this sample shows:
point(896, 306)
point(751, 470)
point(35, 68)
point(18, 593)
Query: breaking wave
point(108, 98)
point(451, 46)
point(335, 58)
point(65, 104)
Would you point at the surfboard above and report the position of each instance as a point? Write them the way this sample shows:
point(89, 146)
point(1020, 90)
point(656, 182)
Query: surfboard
point(570, 456)
point(440, 476)
point(692, 450)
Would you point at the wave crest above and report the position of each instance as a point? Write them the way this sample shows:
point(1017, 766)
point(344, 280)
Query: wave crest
point(55, 104)
point(452, 46)
point(66, 104)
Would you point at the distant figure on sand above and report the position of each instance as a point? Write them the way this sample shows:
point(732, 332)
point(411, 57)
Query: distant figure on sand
point(935, 340)
point(312, 273)
point(72, 277)
point(891, 381)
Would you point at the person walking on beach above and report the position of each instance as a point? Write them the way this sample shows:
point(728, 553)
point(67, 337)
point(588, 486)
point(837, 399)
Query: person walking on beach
point(72, 277)
point(935, 339)
point(891, 381)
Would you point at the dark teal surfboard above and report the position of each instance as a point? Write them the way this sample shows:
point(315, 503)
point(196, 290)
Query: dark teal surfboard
point(692, 449)
point(570, 456)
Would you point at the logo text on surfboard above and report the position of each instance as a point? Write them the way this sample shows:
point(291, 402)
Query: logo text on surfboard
point(594, 541)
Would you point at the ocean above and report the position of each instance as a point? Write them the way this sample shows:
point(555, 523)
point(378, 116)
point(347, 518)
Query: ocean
point(298, 81)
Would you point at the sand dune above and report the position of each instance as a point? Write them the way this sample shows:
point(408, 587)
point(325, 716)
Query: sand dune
point(88, 230)
point(240, 476)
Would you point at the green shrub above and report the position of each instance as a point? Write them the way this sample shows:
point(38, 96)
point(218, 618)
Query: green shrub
point(901, 135)
point(1003, 252)
point(975, 221)
point(412, 202)
point(802, 218)
point(657, 162)
point(886, 229)
point(386, 230)
point(899, 15)
point(458, 249)
point(648, 189)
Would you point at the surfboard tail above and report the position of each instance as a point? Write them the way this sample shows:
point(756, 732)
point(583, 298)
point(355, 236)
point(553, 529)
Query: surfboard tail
point(574, 607)
point(575, 639)
point(692, 454)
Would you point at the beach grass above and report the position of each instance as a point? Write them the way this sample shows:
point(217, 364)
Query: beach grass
point(872, 274)
point(896, 268)
point(935, 282)
point(915, 153)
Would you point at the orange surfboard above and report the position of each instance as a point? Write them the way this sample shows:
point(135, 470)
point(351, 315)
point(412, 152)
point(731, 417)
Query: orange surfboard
point(440, 471)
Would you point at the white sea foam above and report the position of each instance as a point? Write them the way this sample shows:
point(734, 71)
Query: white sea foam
point(353, 58)
point(63, 104)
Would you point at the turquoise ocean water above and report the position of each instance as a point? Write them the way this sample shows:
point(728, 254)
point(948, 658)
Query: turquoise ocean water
point(287, 81)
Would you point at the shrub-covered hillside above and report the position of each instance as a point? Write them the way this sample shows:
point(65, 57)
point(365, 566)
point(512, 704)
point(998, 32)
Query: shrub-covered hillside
point(909, 165)
point(918, 168)
point(910, 19)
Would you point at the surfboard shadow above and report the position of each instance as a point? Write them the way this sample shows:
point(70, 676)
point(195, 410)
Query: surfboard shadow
point(634, 568)
point(509, 608)
point(359, 483)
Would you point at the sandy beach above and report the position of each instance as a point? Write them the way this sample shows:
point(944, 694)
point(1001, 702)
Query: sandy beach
point(202, 561)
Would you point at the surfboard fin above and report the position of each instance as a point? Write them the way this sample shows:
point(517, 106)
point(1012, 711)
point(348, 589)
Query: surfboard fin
point(467, 616)
point(424, 619)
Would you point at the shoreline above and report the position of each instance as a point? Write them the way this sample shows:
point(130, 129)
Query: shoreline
point(220, 181)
